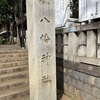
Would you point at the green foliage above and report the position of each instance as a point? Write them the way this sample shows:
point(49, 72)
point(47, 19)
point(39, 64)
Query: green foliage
point(5, 11)
point(9, 9)
point(74, 7)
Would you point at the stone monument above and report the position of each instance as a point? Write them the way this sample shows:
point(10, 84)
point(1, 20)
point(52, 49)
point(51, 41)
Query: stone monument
point(41, 48)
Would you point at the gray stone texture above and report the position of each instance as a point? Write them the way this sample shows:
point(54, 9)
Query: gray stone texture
point(84, 68)
point(41, 49)
point(84, 77)
point(96, 92)
point(91, 44)
point(72, 91)
point(88, 88)
point(77, 93)
point(88, 60)
point(82, 44)
point(67, 79)
point(65, 46)
point(86, 96)
point(72, 46)
point(74, 82)
point(91, 80)
point(83, 95)
point(80, 85)
point(97, 82)
point(77, 82)
point(76, 74)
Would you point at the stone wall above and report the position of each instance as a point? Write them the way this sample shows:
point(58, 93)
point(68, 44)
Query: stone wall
point(78, 83)
point(78, 67)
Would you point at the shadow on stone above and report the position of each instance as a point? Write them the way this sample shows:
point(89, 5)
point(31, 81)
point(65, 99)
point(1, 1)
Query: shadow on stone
point(60, 78)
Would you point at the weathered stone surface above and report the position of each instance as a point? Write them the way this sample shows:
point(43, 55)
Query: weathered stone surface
point(84, 74)
point(73, 82)
point(76, 74)
point(12, 55)
point(96, 92)
point(66, 86)
point(72, 46)
point(11, 50)
point(68, 79)
point(84, 68)
point(86, 96)
point(91, 44)
point(88, 60)
point(86, 85)
point(72, 91)
point(14, 83)
point(80, 84)
point(84, 77)
point(91, 80)
point(79, 76)
point(68, 72)
point(14, 75)
point(87, 88)
point(65, 46)
point(82, 44)
point(11, 94)
point(13, 69)
point(97, 82)
point(77, 93)
point(14, 64)
point(41, 48)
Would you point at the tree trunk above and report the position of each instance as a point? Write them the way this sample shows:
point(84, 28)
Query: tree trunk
point(11, 40)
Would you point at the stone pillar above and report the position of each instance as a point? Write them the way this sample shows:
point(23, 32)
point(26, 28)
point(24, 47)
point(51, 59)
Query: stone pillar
point(60, 43)
point(41, 48)
point(82, 44)
point(65, 46)
point(91, 43)
point(72, 46)
point(98, 43)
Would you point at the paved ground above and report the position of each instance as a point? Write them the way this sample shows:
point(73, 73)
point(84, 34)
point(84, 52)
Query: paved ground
point(61, 96)
point(5, 47)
